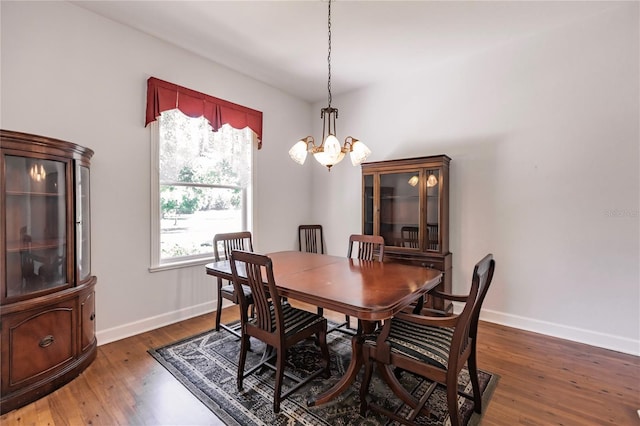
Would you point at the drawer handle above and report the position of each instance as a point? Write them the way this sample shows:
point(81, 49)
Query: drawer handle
point(92, 317)
point(46, 341)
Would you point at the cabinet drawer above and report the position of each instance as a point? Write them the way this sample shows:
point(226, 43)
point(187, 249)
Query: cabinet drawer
point(426, 262)
point(430, 263)
point(37, 343)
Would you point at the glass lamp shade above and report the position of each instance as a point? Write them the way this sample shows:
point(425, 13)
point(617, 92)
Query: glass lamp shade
point(298, 152)
point(327, 160)
point(332, 149)
point(330, 153)
point(432, 181)
point(413, 181)
point(359, 153)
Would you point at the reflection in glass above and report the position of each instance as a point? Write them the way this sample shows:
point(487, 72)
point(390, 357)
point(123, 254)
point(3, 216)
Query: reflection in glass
point(37, 172)
point(410, 236)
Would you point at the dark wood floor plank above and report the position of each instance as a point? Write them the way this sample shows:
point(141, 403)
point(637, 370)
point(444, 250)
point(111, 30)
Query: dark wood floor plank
point(543, 381)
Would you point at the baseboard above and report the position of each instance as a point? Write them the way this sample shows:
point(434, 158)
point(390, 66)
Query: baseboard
point(151, 323)
point(575, 334)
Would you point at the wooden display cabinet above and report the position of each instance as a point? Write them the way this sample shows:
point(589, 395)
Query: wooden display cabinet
point(407, 203)
point(47, 306)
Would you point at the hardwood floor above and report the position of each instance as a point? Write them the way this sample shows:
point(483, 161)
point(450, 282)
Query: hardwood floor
point(543, 381)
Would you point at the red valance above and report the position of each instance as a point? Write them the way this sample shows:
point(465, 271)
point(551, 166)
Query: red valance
point(164, 96)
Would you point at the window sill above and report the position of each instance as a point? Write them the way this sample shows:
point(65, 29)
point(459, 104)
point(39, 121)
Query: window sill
point(181, 264)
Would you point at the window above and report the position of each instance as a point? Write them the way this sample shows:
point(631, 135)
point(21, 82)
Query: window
point(201, 186)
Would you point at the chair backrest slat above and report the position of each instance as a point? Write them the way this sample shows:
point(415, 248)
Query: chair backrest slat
point(370, 247)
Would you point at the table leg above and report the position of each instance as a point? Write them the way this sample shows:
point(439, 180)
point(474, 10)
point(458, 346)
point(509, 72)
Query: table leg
point(347, 379)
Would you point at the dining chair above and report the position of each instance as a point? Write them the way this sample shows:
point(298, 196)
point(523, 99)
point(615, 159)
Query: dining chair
point(369, 247)
point(433, 240)
point(223, 244)
point(409, 236)
point(26, 258)
point(432, 347)
point(276, 323)
point(310, 239)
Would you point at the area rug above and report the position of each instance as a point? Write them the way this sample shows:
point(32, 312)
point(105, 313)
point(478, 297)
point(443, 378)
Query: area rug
point(206, 364)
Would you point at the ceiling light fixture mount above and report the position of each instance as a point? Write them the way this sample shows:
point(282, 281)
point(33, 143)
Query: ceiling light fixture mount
point(329, 152)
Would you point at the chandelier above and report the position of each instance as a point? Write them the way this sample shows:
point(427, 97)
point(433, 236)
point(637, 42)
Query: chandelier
point(329, 152)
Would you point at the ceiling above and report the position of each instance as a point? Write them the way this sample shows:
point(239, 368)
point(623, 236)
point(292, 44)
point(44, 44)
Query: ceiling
point(284, 43)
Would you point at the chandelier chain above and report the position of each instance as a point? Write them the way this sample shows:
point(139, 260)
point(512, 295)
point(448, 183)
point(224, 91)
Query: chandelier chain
point(329, 54)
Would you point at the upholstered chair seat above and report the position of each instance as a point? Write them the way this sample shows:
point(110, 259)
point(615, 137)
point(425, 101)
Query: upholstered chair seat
point(422, 343)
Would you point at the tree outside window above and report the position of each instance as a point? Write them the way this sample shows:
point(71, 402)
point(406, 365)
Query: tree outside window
point(204, 178)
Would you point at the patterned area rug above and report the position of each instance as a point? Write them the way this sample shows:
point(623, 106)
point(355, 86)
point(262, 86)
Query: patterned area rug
point(207, 365)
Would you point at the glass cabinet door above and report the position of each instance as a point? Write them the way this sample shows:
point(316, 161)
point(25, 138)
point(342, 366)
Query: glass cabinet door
point(36, 225)
point(400, 209)
point(433, 185)
point(83, 224)
point(369, 205)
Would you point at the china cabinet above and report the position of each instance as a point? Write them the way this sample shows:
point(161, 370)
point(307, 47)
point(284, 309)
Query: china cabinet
point(407, 203)
point(47, 302)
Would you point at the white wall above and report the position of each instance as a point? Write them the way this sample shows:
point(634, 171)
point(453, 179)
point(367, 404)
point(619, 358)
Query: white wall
point(70, 74)
point(544, 137)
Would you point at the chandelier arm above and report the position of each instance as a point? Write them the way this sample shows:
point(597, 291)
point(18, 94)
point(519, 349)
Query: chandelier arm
point(348, 144)
point(310, 141)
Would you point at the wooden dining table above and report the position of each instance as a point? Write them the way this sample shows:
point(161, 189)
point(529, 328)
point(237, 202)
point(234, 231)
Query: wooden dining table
point(368, 290)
